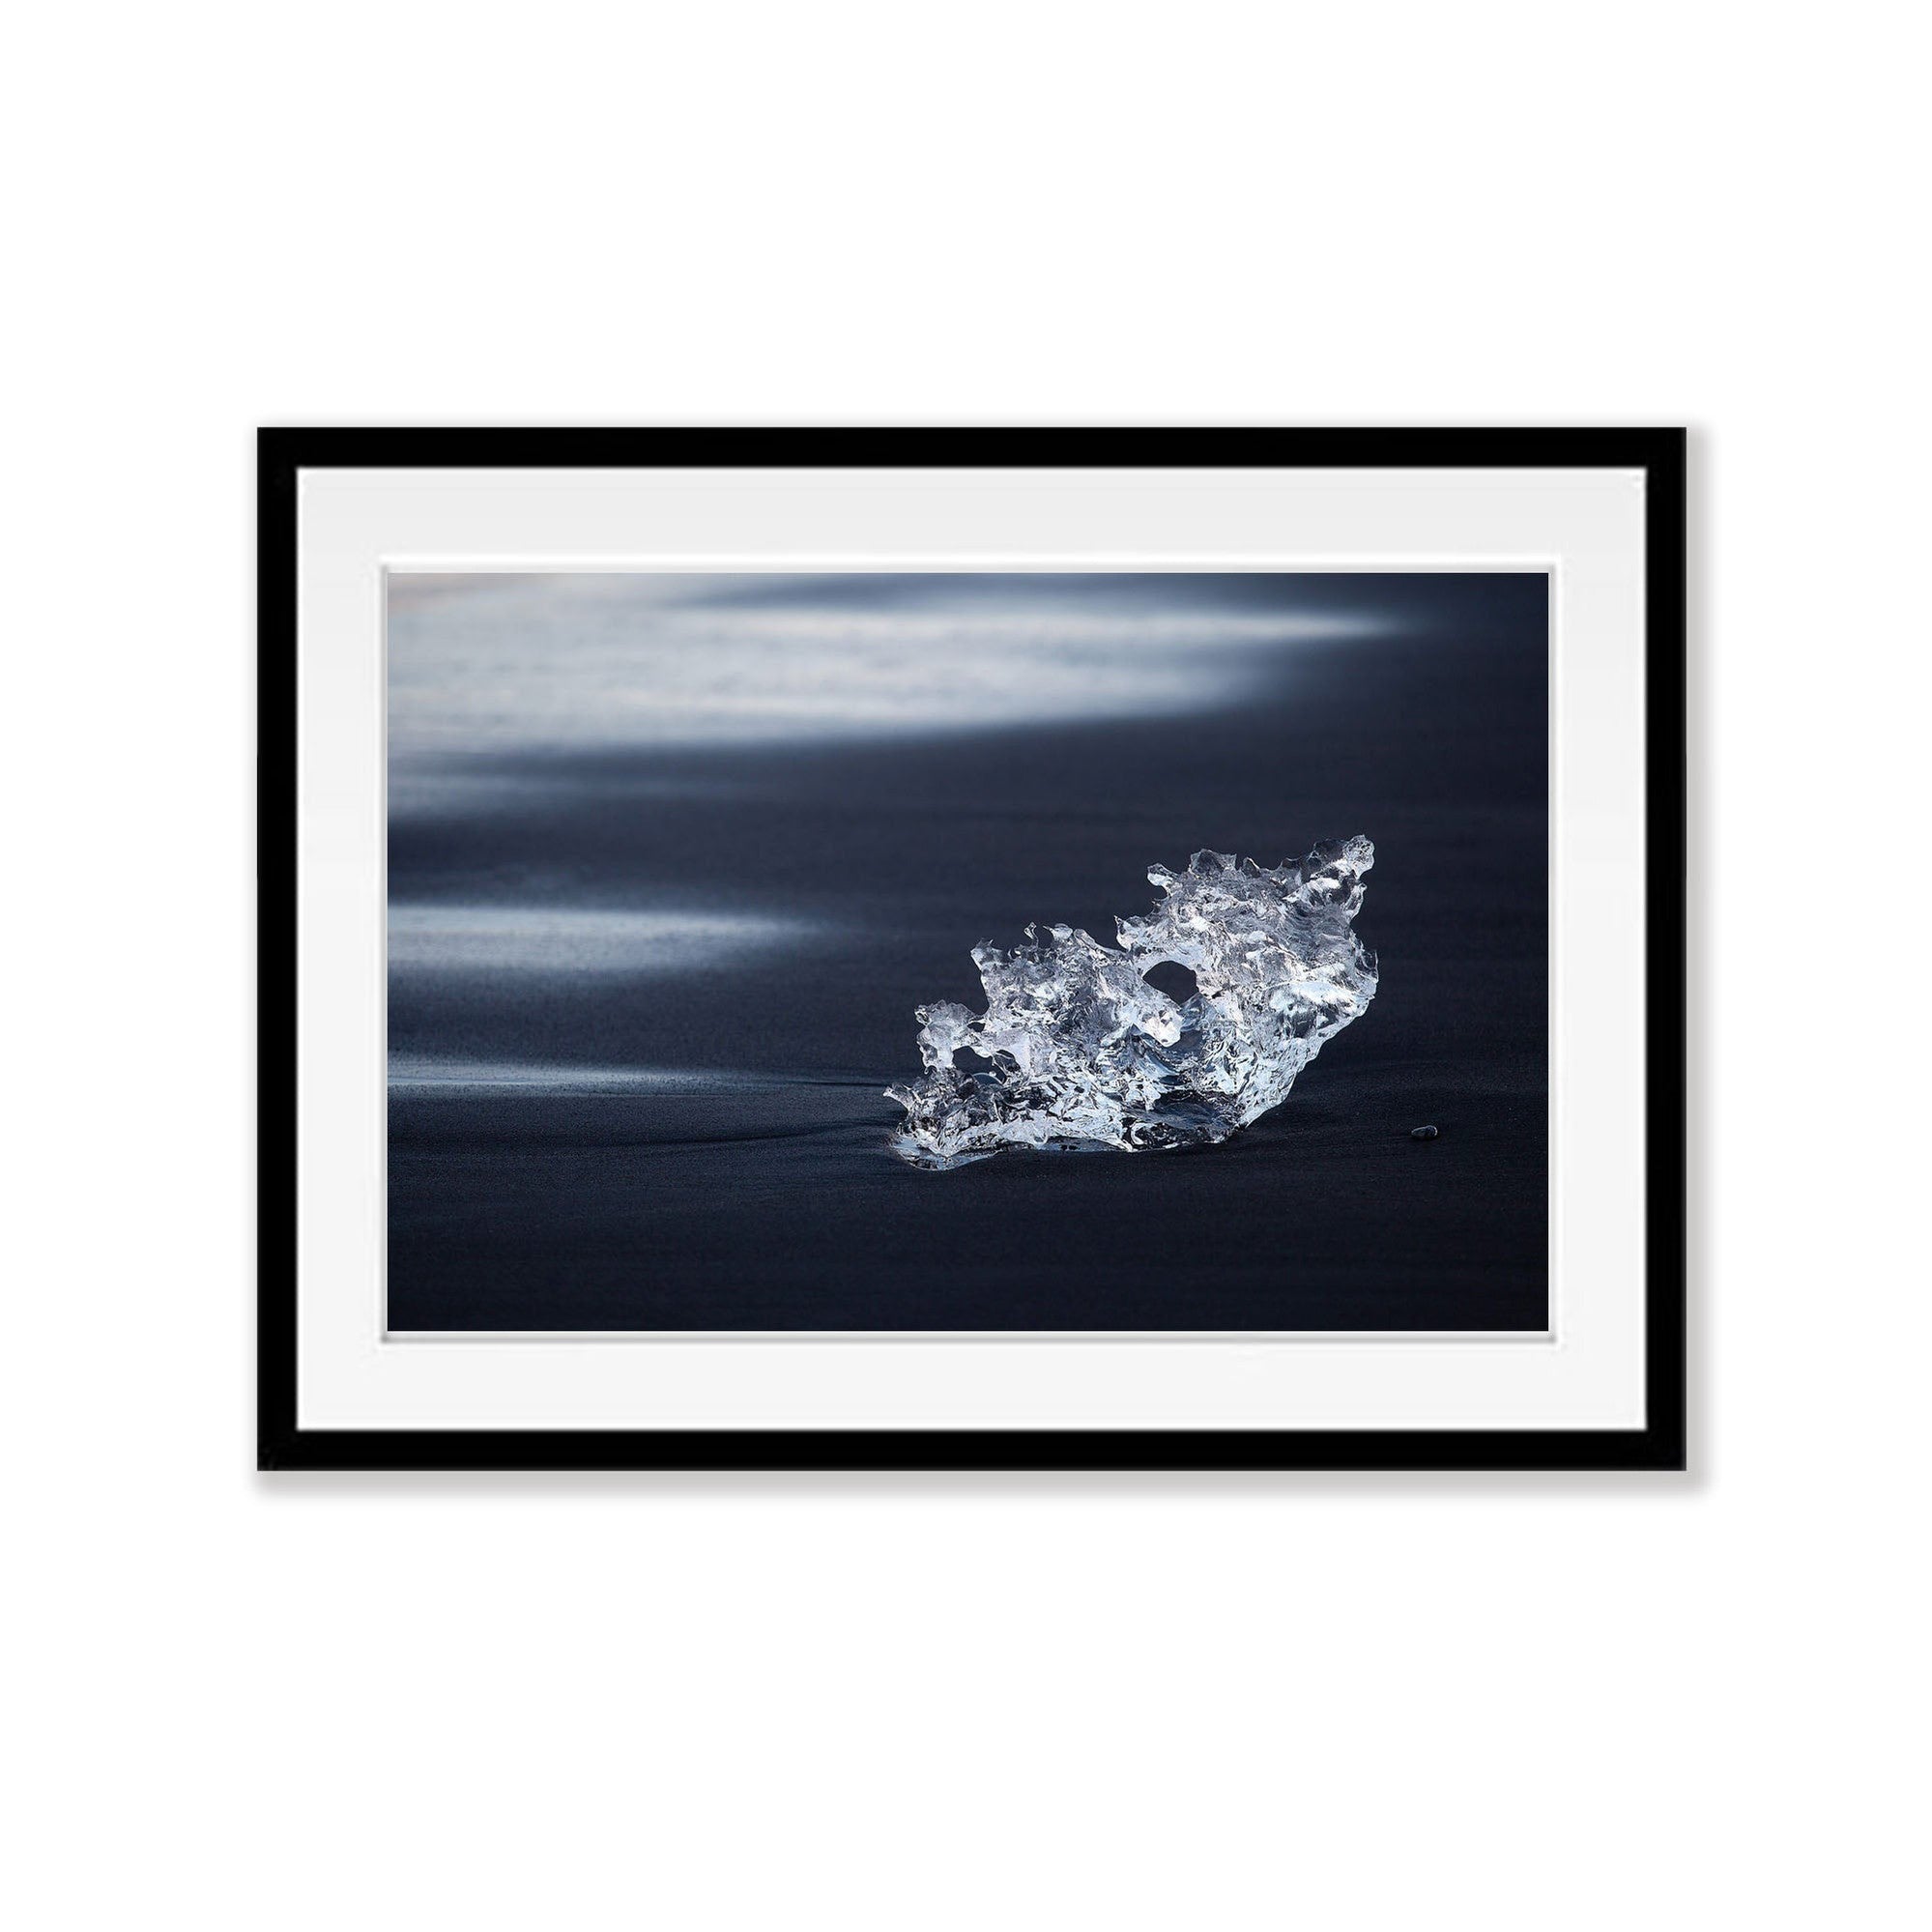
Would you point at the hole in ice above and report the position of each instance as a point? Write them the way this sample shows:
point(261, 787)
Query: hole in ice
point(1173, 979)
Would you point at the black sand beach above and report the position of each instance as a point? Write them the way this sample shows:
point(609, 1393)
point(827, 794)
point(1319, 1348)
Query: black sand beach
point(761, 1194)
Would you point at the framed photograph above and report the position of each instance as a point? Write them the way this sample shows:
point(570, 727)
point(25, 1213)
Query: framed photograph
point(973, 949)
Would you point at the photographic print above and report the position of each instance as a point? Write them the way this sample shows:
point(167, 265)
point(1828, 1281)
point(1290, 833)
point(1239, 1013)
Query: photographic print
point(967, 952)
point(973, 949)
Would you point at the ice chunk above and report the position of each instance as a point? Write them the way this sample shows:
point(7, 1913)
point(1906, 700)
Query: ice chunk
point(1082, 1052)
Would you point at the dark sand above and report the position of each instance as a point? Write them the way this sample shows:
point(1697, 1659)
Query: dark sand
point(775, 1204)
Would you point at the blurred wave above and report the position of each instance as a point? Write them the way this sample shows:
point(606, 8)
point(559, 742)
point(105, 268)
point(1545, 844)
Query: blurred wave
point(482, 665)
point(538, 939)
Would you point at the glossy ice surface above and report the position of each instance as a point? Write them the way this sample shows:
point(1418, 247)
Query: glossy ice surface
point(1082, 1052)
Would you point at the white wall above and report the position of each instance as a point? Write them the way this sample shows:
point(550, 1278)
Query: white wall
point(1160, 1704)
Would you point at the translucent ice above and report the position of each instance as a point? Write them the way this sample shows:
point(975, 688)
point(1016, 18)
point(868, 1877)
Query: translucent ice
point(1083, 1051)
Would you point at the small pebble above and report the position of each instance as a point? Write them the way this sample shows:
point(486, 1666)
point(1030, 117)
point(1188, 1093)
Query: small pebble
point(1422, 1132)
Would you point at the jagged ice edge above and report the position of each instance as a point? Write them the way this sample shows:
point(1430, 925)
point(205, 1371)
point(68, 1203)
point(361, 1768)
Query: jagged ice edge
point(1083, 1053)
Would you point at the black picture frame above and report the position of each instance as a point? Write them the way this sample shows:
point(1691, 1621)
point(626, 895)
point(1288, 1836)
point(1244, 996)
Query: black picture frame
point(1661, 1444)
